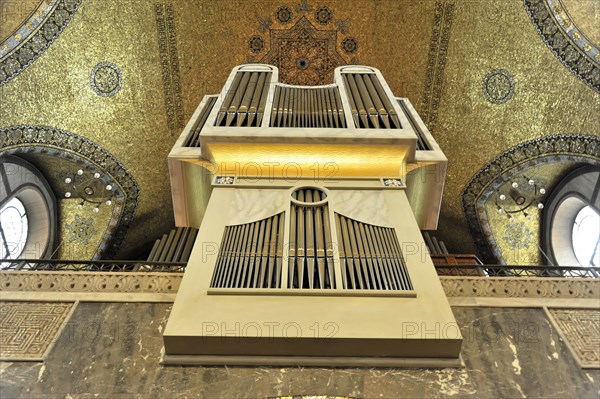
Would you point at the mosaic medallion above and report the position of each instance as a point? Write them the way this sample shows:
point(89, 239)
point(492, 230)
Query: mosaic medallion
point(81, 229)
point(323, 15)
point(304, 54)
point(106, 79)
point(283, 15)
point(256, 44)
point(349, 45)
point(517, 235)
point(498, 86)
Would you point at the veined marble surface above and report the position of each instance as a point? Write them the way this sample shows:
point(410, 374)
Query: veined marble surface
point(367, 206)
point(251, 205)
point(113, 350)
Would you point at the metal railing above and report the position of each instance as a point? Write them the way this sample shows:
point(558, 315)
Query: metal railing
point(518, 271)
point(179, 267)
point(90, 265)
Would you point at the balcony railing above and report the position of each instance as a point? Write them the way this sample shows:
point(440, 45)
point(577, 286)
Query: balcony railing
point(90, 265)
point(518, 271)
point(179, 267)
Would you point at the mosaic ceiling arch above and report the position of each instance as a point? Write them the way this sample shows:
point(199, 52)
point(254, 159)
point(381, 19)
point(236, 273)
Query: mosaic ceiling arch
point(21, 47)
point(546, 160)
point(15, 140)
point(305, 42)
point(501, 84)
point(570, 38)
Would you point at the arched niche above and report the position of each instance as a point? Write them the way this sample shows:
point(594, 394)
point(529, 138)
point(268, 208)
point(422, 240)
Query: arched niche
point(24, 139)
point(571, 150)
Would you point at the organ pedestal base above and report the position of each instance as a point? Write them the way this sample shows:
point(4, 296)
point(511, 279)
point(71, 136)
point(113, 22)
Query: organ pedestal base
point(310, 361)
point(377, 320)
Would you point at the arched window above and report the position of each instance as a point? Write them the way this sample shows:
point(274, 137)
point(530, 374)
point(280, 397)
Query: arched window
point(14, 227)
point(28, 215)
point(571, 220)
point(586, 237)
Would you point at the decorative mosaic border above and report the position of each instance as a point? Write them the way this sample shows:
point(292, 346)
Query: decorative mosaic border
point(167, 47)
point(70, 146)
point(43, 29)
point(565, 21)
point(436, 62)
point(24, 31)
point(508, 164)
point(565, 42)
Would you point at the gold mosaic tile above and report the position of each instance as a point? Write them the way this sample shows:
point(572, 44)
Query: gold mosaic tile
point(171, 53)
point(310, 397)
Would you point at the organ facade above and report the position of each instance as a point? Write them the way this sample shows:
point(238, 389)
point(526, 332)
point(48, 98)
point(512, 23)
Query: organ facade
point(310, 203)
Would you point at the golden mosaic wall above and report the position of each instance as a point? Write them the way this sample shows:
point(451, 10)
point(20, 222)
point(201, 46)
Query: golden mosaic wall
point(518, 240)
point(13, 13)
point(171, 53)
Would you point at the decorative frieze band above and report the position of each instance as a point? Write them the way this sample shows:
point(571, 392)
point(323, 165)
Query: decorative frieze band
point(521, 287)
point(100, 282)
point(150, 287)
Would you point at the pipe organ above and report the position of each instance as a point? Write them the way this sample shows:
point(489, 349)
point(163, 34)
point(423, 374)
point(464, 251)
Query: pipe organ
point(244, 104)
point(251, 255)
point(371, 108)
point(371, 256)
point(309, 203)
point(311, 253)
point(307, 107)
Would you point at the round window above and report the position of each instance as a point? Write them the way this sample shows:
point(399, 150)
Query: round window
point(28, 216)
point(571, 221)
point(14, 227)
point(586, 237)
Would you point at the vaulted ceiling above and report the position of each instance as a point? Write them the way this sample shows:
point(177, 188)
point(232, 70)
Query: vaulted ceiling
point(127, 75)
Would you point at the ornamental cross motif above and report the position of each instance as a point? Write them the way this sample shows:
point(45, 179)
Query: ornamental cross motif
point(308, 52)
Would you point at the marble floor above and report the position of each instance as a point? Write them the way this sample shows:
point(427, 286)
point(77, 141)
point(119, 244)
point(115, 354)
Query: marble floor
point(113, 350)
